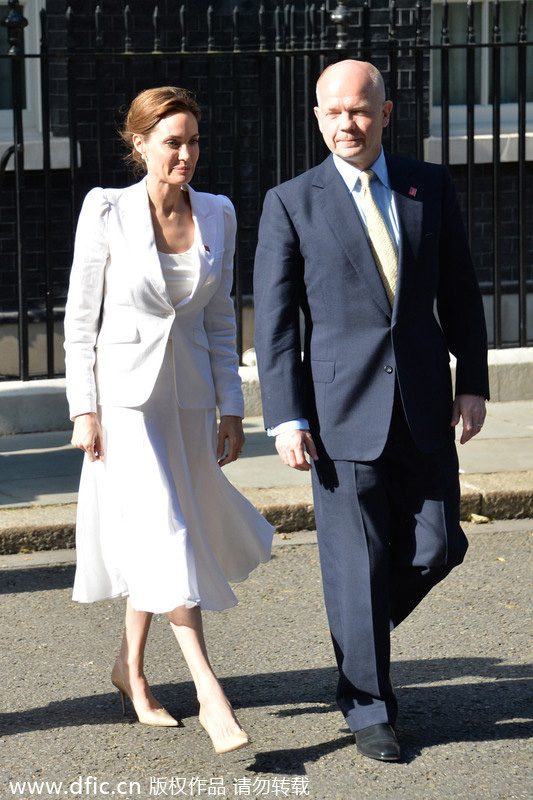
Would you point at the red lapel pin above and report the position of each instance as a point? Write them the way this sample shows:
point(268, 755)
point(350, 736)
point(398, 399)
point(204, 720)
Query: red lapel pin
point(206, 248)
point(412, 192)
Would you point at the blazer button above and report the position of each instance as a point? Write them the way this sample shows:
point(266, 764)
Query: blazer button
point(388, 369)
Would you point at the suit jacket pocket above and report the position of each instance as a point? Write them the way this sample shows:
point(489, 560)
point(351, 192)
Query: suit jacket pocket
point(118, 329)
point(323, 371)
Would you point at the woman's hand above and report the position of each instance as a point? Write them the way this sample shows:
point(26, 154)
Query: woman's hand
point(87, 436)
point(230, 428)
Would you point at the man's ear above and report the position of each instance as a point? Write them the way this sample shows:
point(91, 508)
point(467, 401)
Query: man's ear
point(316, 109)
point(386, 111)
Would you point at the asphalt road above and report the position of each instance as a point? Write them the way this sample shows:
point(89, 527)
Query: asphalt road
point(459, 665)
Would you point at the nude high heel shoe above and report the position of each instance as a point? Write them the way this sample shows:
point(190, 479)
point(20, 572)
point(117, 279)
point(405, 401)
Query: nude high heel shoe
point(228, 743)
point(158, 716)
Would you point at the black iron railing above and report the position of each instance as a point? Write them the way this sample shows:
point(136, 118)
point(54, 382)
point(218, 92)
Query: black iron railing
point(254, 75)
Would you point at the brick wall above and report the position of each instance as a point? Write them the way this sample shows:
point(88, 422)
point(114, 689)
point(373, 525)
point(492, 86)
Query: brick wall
point(483, 244)
point(61, 242)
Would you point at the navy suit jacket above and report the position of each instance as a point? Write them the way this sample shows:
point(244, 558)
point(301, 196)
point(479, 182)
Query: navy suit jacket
point(313, 254)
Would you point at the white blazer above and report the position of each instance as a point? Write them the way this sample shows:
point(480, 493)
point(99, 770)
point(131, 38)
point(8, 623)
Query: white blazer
point(119, 317)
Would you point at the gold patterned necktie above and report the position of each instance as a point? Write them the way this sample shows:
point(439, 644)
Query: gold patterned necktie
point(383, 245)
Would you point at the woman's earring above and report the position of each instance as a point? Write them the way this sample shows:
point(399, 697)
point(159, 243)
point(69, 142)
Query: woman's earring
point(143, 157)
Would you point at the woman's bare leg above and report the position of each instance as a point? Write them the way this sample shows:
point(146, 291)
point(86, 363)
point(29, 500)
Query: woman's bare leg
point(130, 662)
point(216, 708)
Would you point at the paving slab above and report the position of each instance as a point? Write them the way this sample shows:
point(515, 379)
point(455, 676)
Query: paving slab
point(39, 469)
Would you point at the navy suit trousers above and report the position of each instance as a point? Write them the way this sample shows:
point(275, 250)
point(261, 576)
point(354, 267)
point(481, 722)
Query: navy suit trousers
point(388, 531)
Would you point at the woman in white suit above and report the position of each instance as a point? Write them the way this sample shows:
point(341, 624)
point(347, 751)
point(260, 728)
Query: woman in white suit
point(149, 341)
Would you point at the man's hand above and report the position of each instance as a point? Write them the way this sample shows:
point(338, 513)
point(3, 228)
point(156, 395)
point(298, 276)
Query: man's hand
point(472, 409)
point(87, 436)
point(292, 446)
point(230, 429)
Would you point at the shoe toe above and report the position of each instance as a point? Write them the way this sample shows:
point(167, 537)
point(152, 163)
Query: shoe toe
point(379, 742)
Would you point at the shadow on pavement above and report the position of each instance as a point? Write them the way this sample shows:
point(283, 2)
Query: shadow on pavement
point(293, 761)
point(36, 579)
point(493, 709)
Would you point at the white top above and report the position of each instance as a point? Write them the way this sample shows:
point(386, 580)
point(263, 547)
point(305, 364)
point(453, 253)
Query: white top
point(180, 271)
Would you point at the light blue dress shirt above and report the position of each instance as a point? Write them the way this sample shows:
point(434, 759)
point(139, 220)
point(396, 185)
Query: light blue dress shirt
point(384, 198)
point(381, 191)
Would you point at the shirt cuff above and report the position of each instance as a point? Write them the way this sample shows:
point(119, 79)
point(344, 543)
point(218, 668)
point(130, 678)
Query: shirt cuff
point(290, 425)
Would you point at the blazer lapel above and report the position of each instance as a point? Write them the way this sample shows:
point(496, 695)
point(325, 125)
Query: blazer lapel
point(208, 238)
point(408, 197)
point(139, 230)
point(345, 224)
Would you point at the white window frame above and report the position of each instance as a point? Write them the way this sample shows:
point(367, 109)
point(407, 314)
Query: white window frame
point(483, 139)
point(31, 115)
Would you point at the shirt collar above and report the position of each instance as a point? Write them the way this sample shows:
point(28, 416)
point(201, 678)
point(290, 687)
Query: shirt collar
point(350, 173)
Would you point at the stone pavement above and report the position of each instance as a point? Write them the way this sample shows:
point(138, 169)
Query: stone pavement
point(39, 478)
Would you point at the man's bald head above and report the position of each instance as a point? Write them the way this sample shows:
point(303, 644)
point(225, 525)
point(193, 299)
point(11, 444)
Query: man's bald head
point(351, 72)
point(352, 111)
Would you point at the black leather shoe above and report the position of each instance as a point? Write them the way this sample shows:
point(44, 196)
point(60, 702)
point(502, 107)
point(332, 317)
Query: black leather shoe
point(378, 741)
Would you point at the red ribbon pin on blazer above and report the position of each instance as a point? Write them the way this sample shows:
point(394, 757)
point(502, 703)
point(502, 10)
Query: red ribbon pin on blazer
point(206, 248)
point(412, 191)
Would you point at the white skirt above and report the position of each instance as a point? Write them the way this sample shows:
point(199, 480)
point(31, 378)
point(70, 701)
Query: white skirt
point(157, 519)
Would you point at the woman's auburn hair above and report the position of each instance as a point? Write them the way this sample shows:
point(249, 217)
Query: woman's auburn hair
point(147, 109)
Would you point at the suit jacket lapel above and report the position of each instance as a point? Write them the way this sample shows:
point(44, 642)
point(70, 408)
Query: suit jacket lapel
point(345, 224)
point(137, 224)
point(408, 197)
point(208, 235)
point(138, 227)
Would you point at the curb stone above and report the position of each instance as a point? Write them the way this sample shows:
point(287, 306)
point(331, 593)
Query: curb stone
point(494, 495)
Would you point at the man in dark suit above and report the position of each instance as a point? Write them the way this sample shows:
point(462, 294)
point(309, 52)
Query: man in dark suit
point(372, 249)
